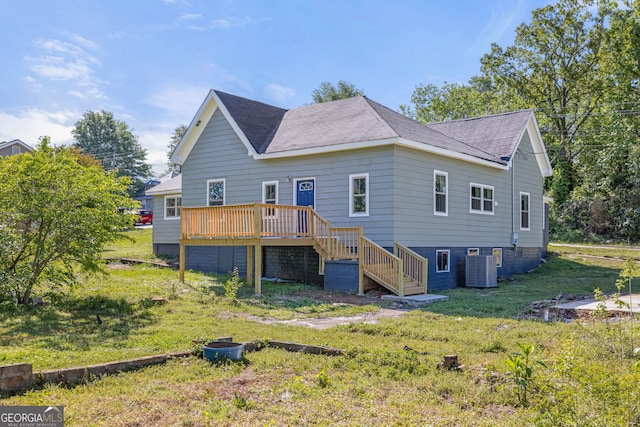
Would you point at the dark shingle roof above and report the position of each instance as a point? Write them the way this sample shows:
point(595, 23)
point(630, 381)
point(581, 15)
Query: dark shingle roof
point(257, 120)
point(414, 131)
point(498, 134)
point(359, 119)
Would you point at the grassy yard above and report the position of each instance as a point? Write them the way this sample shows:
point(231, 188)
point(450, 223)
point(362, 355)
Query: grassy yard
point(388, 374)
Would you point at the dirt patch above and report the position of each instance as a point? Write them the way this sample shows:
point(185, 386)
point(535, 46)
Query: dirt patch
point(324, 297)
point(330, 322)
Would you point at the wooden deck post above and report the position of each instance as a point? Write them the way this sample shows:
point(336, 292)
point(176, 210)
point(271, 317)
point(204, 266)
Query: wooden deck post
point(425, 274)
point(182, 260)
point(249, 265)
point(258, 271)
point(257, 233)
point(400, 278)
point(360, 263)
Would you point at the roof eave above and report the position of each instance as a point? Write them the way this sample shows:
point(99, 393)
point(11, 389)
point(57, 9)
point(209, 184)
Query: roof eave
point(539, 149)
point(380, 143)
point(211, 103)
point(163, 192)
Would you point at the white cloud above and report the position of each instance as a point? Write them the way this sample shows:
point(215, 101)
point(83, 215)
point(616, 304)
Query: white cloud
point(278, 93)
point(180, 100)
point(504, 18)
point(29, 125)
point(58, 68)
point(156, 143)
point(232, 22)
point(189, 16)
point(86, 43)
point(92, 93)
point(67, 61)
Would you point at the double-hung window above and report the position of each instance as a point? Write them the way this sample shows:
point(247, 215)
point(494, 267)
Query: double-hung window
point(481, 199)
point(270, 195)
point(442, 261)
point(524, 211)
point(215, 192)
point(359, 195)
point(172, 207)
point(440, 193)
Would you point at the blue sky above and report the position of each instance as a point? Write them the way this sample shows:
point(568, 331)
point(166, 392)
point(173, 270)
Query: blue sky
point(152, 62)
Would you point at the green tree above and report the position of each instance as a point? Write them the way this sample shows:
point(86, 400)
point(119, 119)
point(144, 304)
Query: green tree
point(112, 143)
point(556, 64)
point(57, 211)
point(328, 92)
point(453, 101)
point(177, 135)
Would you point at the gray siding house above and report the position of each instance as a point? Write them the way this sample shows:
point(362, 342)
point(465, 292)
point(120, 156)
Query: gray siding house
point(10, 148)
point(442, 190)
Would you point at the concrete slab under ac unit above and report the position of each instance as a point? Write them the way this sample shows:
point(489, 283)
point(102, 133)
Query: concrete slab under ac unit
point(422, 299)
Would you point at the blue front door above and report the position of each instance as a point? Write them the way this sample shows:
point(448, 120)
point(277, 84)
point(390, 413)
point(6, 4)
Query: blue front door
point(305, 196)
point(305, 192)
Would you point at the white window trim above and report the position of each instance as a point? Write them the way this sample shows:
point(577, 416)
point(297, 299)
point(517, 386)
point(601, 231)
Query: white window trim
point(528, 228)
point(482, 200)
point(498, 258)
point(367, 195)
point(175, 196)
point(224, 190)
point(446, 193)
point(471, 250)
point(270, 213)
point(448, 252)
point(264, 190)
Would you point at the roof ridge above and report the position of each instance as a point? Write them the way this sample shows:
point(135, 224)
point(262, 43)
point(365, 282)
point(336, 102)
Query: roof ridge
point(368, 102)
point(506, 113)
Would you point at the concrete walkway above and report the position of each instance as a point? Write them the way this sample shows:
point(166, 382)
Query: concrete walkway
point(632, 300)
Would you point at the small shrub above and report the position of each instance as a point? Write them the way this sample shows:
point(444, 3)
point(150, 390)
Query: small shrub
point(322, 379)
point(520, 372)
point(232, 285)
point(241, 402)
point(495, 347)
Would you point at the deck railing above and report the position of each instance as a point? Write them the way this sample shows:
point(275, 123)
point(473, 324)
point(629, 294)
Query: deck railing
point(414, 265)
point(260, 220)
point(266, 221)
point(218, 222)
point(285, 221)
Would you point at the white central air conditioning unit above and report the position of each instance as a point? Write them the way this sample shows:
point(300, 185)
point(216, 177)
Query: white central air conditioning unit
point(481, 271)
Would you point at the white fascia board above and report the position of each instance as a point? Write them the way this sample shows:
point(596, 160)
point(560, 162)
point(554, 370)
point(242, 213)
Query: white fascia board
point(163, 193)
point(452, 154)
point(250, 150)
point(194, 131)
point(538, 147)
point(197, 125)
point(380, 143)
point(537, 144)
point(326, 149)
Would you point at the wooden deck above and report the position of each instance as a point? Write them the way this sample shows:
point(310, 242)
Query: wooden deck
point(256, 225)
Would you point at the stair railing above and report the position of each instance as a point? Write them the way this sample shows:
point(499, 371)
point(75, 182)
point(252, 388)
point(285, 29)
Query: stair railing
point(415, 265)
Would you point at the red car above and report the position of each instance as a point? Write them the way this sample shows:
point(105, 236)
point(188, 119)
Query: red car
point(144, 217)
